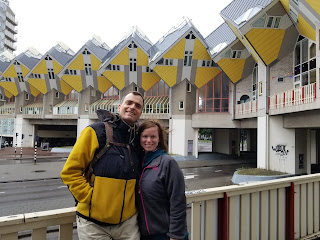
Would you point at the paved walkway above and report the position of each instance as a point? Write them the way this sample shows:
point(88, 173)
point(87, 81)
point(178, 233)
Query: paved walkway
point(49, 164)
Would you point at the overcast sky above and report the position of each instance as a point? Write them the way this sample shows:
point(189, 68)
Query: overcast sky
point(42, 23)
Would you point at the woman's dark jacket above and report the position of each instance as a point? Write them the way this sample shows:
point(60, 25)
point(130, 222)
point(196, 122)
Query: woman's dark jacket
point(161, 198)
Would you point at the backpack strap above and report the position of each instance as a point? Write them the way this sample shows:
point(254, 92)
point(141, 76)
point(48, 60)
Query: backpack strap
point(109, 138)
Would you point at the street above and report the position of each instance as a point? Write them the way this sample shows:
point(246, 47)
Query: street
point(41, 195)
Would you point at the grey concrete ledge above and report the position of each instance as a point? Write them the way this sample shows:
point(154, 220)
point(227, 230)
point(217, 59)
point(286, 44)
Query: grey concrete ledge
point(243, 179)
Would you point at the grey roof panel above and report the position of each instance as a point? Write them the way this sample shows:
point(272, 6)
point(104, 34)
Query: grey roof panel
point(136, 35)
point(29, 62)
point(4, 65)
point(61, 57)
point(223, 34)
point(238, 7)
point(100, 52)
point(172, 36)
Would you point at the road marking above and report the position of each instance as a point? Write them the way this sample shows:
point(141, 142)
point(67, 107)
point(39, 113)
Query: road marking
point(2, 192)
point(218, 171)
point(190, 176)
point(62, 187)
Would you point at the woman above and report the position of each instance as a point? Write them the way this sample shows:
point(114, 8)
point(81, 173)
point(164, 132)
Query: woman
point(161, 197)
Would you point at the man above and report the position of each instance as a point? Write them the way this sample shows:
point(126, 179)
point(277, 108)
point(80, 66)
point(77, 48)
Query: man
point(106, 203)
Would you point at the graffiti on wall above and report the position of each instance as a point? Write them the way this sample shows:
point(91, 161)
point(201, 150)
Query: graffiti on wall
point(280, 150)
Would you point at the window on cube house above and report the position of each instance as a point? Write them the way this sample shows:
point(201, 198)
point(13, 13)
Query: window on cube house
point(214, 96)
point(73, 95)
point(304, 65)
point(111, 93)
point(159, 89)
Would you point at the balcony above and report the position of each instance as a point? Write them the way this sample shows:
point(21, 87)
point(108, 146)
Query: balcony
point(298, 99)
point(279, 209)
point(158, 107)
point(34, 110)
point(66, 109)
point(7, 109)
point(110, 104)
point(247, 109)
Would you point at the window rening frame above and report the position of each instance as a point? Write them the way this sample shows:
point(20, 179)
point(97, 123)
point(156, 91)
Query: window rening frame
point(214, 96)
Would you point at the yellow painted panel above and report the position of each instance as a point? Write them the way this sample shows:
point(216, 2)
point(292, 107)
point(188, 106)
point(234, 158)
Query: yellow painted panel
point(41, 68)
point(7, 93)
point(77, 63)
point(10, 86)
point(306, 29)
point(95, 62)
point(200, 51)
point(24, 70)
point(122, 58)
point(244, 42)
point(74, 81)
point(315, 4)
point(142, 58)
point(205, 74)
point(233, 68)
point(65, 88)
point(267, 42)
point(40, 84)
point(285, 4)
point(167, 73)
point(148, 80)
point(116, 78)
point(177, 51)
point(11, 72)
point(35, 92)
point(103, 84)
point(56, 66)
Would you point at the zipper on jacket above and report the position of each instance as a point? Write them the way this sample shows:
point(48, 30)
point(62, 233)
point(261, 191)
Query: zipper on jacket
point(140, 192)
point(124, 197)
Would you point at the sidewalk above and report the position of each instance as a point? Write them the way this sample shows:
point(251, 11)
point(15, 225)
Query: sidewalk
point(49, 164)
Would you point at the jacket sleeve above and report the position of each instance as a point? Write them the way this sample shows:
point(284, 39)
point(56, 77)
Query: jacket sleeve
point(79, 158)
point(174, 182)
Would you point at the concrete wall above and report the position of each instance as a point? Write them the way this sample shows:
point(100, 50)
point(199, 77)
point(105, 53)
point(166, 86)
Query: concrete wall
point(226, 141)
point(50, 100)
point(301, 165)
point(22, 126)
point(179, 93)
point(214, 120)
point(181, 132)
point(282, 146)
point(244, 87)
point(283, 69)
point(305, 119)
point(85, 99)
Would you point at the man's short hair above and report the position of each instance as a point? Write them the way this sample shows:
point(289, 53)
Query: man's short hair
point(134, 93)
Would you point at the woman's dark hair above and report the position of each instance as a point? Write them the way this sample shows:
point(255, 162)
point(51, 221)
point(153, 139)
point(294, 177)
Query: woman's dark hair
point(162, 132)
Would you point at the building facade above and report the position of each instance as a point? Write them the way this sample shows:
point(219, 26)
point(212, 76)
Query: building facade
point(254, 81)
point(8, 28)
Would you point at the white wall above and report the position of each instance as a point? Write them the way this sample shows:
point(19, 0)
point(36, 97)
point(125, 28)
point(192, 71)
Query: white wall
point(282, 146)
point(22, 126)
point(181, 132)
point(301, 148)
point(82, 123)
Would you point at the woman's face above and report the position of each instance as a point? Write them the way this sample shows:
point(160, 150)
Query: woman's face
point(149, 139)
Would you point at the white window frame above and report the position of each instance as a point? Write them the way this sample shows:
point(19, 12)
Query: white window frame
point(189, 87)
point(57, 94)
point(181, 105)
point(27, 97)
point(88, 69)
point(51, 73)
point(188, 57)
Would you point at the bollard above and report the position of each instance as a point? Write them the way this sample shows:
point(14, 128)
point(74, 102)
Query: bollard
point(35, 153)
point(21, 150)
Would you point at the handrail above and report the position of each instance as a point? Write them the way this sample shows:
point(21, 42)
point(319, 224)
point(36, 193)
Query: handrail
point(287, 208)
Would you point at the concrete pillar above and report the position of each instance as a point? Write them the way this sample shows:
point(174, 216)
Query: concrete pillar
point(195, 143)
point(22, 126)
point(262, 131)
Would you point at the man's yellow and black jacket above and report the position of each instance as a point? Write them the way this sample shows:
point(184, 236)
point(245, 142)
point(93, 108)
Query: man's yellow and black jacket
point(112, 198)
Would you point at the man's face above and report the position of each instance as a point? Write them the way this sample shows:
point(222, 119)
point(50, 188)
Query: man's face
point(131, 108)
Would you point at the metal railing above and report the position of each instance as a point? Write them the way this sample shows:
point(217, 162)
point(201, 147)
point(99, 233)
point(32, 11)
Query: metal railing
point(279, 209)
point(246, 107)
point(294, 97)
point(66, 107)
point(158, 104)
